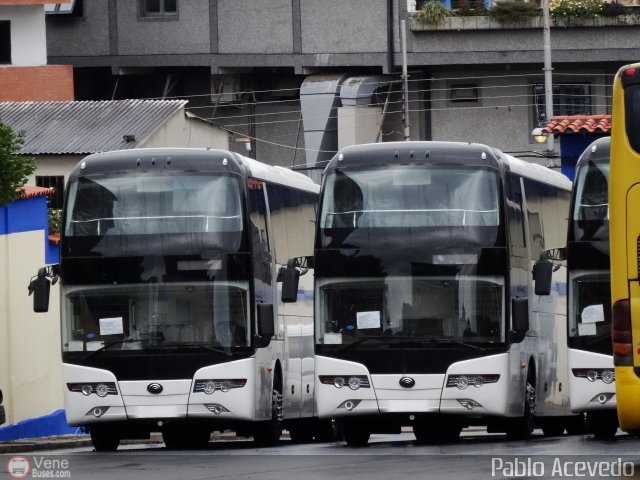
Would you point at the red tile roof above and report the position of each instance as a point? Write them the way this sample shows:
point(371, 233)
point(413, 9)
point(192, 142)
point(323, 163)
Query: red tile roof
point(29, 191)
point(578, 124)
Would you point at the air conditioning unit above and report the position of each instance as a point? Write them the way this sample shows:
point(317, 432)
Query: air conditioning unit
point(225, 89)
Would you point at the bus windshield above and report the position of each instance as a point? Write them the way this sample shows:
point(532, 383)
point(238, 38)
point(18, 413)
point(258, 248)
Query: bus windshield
point(463, 308)
point(591, 208)
point(142, 203)
point(408, 196)
point(155, 314)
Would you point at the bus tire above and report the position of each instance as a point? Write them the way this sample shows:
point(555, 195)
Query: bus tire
point(104, 439)
point(521, 428)
point(268, 433)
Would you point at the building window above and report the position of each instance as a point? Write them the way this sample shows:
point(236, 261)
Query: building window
point(158, 8)
point(53, 181)
point(463, 92)
point(5, 42)
point(568, 99)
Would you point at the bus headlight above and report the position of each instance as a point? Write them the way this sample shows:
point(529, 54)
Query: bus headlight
point(608, 376)
point(209, 386)
point(354, 381)
point(102, 390)
point(463, 381)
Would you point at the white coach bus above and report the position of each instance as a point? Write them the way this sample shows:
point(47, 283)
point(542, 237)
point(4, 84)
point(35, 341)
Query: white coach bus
point(170, 310)
point(591, 370)
point(426, 310)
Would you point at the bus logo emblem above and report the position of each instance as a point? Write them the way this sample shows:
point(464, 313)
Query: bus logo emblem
point(407, 382)
point(154, 388)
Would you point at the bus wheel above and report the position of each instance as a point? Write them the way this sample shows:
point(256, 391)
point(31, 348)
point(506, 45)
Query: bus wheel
point(268, 433)
point(104, 439)
point(356, 434)
point(522, 427)
point(603, 425)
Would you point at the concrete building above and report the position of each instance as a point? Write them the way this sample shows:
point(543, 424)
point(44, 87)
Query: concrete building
point(274, 70)
point(24, 73)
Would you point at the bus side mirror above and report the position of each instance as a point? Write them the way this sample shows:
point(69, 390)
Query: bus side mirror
point(40, 286)
point(520, 317)
point(542, 277)
point(266, 323)
point(290, 281)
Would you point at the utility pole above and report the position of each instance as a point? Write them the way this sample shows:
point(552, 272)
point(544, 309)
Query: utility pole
point(405, 77)
point(548, 82)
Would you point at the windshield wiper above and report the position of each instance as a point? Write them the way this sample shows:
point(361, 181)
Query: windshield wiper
point(107, 346)
point(451, 341)
point(363, 340)
point(201, 346)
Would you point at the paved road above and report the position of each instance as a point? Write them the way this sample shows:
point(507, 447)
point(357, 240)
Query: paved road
point(476, 456)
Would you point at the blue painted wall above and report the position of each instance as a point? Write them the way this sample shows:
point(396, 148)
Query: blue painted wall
point(571, 147)
point(53, 424)
point(27, 215)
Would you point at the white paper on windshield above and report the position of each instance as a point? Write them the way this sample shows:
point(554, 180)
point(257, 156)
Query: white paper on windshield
point(368, 320)
point(111, 326)
point(332, 338)
point(593, 314)
point(585, 329)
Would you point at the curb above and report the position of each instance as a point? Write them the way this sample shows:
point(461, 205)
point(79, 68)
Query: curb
point(60, 442)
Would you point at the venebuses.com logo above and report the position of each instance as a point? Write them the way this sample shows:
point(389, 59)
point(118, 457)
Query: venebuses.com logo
point(38, 467)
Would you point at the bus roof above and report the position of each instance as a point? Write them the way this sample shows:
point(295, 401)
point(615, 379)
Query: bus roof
point(537, 172)
point(470, 154)
point(124, 160)
point(598, 151)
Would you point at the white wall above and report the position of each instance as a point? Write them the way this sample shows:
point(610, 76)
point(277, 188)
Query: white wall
point(180, 131)
point(28, 34)
point(30, 365)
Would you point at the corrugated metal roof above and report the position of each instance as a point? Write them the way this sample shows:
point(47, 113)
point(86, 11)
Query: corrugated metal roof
point(579, 123)
point(87, 126)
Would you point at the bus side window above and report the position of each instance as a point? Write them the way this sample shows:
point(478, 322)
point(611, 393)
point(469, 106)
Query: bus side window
point(515, 216)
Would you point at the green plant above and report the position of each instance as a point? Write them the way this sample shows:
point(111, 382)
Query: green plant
point(513, 11)
point(15, 168)
point(432, 13)
point(55, 220)
point(570, 10)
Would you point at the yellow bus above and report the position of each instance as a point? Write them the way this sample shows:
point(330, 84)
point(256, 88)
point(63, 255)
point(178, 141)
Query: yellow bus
point(624, 194)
